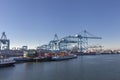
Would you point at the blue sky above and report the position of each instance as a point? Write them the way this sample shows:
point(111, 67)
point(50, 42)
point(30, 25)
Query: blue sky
point(34, 22)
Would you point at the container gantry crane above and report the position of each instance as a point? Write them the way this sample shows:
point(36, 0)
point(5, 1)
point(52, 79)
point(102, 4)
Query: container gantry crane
point(81, 40)
point(65, 43)
point(4, 42)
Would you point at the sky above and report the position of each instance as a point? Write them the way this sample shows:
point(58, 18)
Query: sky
point(34, 22)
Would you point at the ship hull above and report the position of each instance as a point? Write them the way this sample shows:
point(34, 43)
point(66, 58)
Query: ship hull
point(63, 58)
point(21, 60)
point(6, 64)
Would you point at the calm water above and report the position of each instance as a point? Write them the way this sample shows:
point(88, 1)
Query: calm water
point(99, 67)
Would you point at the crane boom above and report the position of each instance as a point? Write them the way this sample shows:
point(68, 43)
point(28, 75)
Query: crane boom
point(92, 37)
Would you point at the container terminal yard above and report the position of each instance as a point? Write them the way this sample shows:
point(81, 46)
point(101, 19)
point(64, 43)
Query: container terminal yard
point(76, 44)
point(68, 47)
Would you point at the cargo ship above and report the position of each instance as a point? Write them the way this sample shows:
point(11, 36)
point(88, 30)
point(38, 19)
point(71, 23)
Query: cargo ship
point(50, 56)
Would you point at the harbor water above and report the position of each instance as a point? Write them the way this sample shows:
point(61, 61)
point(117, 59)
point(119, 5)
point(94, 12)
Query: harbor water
point(88, 67)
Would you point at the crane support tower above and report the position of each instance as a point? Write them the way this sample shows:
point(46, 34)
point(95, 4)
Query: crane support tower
point(54, 44)
point(4, 42)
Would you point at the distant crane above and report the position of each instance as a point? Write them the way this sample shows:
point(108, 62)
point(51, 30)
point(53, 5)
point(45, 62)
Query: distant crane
point(81, 40)
point(95, 48)
point(66, 43)
point(4, 42)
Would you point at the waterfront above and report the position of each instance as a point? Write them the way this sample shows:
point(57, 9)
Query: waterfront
point(89, 67)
